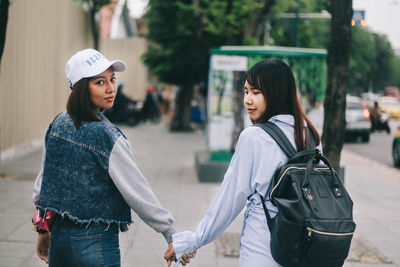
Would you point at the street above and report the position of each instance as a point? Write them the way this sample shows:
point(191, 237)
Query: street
point(379, 147)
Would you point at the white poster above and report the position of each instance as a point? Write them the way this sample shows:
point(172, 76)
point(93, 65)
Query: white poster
point(220, 109)
point(230, 63)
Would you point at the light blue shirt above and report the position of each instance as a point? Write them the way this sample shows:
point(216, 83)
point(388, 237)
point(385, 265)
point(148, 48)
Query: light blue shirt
point(250, 172)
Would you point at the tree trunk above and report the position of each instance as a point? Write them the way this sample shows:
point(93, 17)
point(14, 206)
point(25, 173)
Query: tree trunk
point(93, 25)
point(4, 4)
point(220, 97)
point(238, 107)
point(181, 120)
point(255, 28)
point(338, 79)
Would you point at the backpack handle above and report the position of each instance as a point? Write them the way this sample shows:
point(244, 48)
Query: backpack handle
point(304, 153)
point(317, 157)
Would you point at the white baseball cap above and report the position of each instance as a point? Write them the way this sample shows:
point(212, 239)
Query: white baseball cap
point(88, 63)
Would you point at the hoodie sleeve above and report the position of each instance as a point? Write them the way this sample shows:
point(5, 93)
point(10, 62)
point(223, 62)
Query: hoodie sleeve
point(136, 191)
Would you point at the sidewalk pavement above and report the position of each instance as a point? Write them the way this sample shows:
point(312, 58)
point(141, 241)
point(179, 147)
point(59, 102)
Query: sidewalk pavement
point(167, 161)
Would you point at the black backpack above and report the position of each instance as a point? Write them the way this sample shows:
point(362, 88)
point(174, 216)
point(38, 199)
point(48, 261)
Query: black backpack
point(314, 224)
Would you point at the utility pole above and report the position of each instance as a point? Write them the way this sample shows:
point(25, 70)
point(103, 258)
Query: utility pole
point(296, 30)
point(4, 5)
point(267, 37)
point(298, 16)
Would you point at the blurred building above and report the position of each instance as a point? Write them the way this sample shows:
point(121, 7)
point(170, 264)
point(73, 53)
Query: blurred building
point(40, 39)
point(116, 21)
point(106, 16)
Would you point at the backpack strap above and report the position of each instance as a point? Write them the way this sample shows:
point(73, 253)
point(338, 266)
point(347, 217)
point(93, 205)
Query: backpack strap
point(269, 219)
point(279, 136)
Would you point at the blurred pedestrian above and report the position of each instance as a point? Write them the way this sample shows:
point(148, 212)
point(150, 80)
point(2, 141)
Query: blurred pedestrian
point(150, 110)
point(198, 112)
point(116, 112)
point(169, 95)
point(89, 181)
point(374, 115)
point(379, 118)
point(269, 95)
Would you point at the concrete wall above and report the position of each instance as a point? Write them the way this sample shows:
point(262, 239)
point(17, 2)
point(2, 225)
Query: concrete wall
point(41, 36)
point(135, 78)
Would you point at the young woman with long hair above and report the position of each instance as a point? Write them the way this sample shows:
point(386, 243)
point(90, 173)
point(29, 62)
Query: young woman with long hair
point(269, 95)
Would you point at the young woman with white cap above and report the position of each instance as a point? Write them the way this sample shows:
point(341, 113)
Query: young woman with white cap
point(89, 181)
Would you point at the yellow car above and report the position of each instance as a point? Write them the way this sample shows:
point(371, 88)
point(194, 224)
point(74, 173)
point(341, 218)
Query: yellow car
point(389, 105)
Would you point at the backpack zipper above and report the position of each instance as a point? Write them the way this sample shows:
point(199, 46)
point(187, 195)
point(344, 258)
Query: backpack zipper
point(283, 174)
point(310, 230)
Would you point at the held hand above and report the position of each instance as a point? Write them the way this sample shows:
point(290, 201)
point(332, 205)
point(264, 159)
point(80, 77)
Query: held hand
point(186, 258)
point(42, 246)
point(169, 255)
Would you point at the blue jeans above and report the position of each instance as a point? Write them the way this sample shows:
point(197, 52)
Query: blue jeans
point(76, 245)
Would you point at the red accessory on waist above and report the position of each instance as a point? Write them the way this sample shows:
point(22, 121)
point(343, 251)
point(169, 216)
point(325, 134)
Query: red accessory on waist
point(43, 222)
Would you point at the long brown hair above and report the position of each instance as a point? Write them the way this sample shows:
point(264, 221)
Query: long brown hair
point(276, 81)
point(79, 105)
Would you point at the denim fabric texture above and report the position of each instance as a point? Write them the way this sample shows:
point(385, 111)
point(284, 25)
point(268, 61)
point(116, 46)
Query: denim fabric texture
point(76, 182)
point(75, 245)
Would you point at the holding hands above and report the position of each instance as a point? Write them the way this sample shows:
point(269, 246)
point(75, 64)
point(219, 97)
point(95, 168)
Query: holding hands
point(170, 256)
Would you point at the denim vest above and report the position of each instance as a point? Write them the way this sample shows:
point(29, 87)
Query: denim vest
point(76, 182)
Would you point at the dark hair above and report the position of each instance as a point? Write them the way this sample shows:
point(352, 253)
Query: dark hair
point(276, 81)
point(79, 105)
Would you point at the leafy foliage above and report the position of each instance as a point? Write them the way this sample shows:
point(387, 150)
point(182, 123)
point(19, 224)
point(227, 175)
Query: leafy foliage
point(180, 54)
point(312, 32)
point(363, 53)
point(371, 62)
point(395, 72)
point(182, 33)
point(372, 59)
point(384, 55)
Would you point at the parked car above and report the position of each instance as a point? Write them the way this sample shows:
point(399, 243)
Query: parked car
point(357, 119)
point(396, 149)
point(389, 105)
